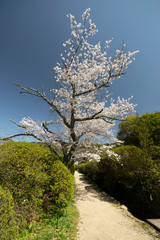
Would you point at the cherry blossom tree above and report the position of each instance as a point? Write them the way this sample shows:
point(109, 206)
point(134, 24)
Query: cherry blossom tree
point(81, 105)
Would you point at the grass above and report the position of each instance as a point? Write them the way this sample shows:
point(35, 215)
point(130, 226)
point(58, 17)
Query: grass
point(60, 226)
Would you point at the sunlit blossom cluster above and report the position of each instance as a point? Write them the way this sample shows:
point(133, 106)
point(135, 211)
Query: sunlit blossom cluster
point(36, 128)
point(93, 152)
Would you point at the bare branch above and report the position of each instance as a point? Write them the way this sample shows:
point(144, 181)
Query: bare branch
point(17, 124)
point(15, 135)
point(43, 96)
point(44, 124)
point(43, 90)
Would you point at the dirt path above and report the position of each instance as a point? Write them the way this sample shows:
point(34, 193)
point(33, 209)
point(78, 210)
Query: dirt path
point(101, 218)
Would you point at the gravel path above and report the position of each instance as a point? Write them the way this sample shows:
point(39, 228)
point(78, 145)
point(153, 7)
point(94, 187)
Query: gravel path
point(101, 218)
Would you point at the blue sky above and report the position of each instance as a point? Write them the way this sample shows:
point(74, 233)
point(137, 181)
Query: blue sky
point(31, 37)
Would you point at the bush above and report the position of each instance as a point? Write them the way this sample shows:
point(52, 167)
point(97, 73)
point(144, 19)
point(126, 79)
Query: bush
point(138, 182)
point(133, 179)
point(89, 168)
point(108, 173)
point(8, 218)
point(82, 167)
point(155, 154)
point(22, 172)
point(59, 189)
point(34, 176)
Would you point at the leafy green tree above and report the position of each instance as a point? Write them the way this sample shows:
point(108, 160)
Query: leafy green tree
point(153, 123)
point(142, 132)
point(127, 130)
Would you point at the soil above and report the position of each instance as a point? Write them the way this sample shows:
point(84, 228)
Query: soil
point(103, 218)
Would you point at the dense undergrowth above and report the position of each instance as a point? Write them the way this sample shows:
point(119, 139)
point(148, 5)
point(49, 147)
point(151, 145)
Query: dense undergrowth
point(133, 179)
point(33, 183)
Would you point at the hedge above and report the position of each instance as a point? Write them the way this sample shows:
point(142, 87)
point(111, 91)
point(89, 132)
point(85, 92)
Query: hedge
point(133, 179)
point(36, 179)
point(8, 216)
point(139, 182)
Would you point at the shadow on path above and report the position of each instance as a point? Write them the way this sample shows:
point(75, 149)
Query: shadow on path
point(89, 190)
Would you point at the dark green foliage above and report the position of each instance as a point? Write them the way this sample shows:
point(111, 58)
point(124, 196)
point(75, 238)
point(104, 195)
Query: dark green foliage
point(127, 131)
point(8, 216)
point(136, 167)
point(137, 182)
point(107, 173)
point(133, 179)
point(35, 177)
point(73, 168)
point(155, 153)
point(153, 123)
point(140, 177)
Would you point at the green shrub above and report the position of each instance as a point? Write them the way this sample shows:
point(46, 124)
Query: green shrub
point(8, 217)
point(133, 178)
point(138, 182)
point(89, 168)
point(82, 167)
point(34, 176)
point(59, 188)
point(136, 166)
point(108, 168)
point(73, 168)
point(155, 154)
point(22, 172)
